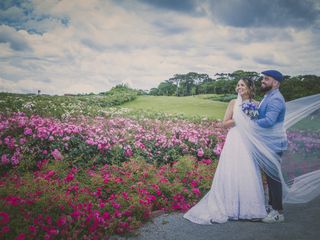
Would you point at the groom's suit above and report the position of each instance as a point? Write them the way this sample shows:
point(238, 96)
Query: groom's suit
point(272, 110)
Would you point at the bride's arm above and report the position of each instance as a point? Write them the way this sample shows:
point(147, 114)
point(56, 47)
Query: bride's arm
point(227, 120)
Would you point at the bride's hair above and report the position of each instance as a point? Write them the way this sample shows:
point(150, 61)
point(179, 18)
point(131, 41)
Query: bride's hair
point(250, 85)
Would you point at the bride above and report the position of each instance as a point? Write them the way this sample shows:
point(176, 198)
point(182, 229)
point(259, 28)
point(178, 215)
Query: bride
point(237, 190)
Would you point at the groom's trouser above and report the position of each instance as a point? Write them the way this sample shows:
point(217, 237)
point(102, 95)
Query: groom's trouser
point(275, 192)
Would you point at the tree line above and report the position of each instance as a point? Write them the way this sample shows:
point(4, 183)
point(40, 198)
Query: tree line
point(194, 83)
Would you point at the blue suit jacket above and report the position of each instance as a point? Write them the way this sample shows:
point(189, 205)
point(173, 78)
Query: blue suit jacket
point(272, 111)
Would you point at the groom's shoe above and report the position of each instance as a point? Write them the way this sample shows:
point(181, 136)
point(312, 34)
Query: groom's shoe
point(268, 208)
point(273, 217)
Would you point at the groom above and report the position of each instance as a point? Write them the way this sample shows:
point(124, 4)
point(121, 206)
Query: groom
point(272, 110)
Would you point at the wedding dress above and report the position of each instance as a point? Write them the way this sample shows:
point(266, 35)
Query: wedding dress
point(236, 191)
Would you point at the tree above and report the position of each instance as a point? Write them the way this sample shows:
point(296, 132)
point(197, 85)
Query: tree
point(237, 75)
point(154, 91)
point(166, 88)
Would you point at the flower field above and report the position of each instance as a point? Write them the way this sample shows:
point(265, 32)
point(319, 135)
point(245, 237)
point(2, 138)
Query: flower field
point(64, 106)
point(89, 178)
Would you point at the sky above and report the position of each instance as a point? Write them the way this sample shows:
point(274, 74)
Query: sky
point(82, 46)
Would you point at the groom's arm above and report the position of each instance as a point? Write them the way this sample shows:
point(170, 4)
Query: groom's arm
point(274, 108)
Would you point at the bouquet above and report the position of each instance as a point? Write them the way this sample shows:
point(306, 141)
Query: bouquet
point(250, 109)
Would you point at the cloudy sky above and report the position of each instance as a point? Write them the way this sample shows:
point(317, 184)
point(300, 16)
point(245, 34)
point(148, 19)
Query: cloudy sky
point(82, 46)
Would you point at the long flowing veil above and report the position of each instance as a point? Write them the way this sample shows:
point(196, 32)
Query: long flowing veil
point(304, 184)
point(301, 161)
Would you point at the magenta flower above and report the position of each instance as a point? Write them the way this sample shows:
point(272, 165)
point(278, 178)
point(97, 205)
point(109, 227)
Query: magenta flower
point(196, 191)
point(116, 205)
point(194, 183)
point(15, 159)
point(69, 177)
point(106, 216)
point(125, 195)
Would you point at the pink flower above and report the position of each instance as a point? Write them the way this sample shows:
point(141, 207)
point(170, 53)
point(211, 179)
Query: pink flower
point(56, 154)
point(90, 141)
point(200, 152)
point(128, 152)
point(15, 159)
point(4, 159)
point(27, 131)
point(106, 180)
point(118, 180)
point(218, 148)
point(22, 141)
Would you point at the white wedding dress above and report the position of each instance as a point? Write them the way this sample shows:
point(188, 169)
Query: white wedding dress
point(237, 190)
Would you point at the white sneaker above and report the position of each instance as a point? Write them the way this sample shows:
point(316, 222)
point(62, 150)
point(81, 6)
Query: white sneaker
point(273, 217)
point(268, 208)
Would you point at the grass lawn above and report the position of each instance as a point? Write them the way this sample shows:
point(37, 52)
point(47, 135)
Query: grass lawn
point(191, 106)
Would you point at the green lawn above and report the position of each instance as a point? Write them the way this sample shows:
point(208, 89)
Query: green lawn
point(189, 106)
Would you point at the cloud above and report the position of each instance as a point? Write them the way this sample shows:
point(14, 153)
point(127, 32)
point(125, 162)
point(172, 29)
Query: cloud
point(141, 43)
point(266, 60)
point(176, 5)
point(270, 13)
point(169, 28)
point(33, 16)
point(16, 41)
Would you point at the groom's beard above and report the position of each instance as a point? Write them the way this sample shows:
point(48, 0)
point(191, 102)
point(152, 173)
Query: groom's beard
point(265, 88)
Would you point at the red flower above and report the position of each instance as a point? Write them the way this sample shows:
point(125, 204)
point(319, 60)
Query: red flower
point(4, 218)
point(5, 229)
point(21, 236)
point(32, 229)
point(69, 177)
